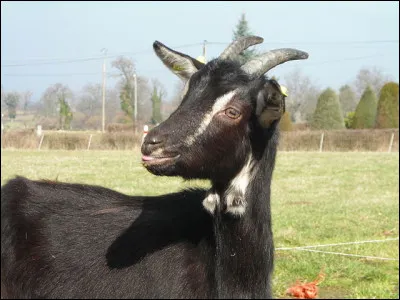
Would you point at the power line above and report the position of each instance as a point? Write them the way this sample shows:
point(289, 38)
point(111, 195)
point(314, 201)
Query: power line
point(66, 61)
point(117, 74)
point(44, 75)
point(318, 43)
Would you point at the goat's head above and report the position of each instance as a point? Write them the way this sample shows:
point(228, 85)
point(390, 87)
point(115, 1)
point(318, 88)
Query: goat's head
point(225, 108)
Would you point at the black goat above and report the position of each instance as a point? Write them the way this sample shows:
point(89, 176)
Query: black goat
point(61, 240)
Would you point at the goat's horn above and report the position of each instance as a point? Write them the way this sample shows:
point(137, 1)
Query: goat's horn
point(265, 62)
point(239, 45)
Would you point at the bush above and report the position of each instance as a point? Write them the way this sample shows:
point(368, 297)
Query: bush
point(335, 140)
point(78, 122)
point(118, 141)
point(328, 113)
point(118, 127)
point(65, 141)
point(349, 119)
point(387, 115)
point(340, 140)
point(301, 126)
point(365, 113)
point(48, 123)
point(94, 122)
point(20, 139)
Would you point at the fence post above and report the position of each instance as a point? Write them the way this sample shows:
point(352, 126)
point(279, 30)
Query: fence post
point(90, 140)
point(321, 143)
point(41, 141)
point(39, 130)
point(391, 142)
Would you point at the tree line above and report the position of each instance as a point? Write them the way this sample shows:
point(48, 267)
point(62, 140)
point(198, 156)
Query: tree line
point(370, 101)
point(61, 108)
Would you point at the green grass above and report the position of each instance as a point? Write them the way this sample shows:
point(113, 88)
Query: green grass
point(317, 198)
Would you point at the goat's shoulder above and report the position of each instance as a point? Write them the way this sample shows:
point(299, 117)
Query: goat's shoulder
point(47, 227)
point(38, 199)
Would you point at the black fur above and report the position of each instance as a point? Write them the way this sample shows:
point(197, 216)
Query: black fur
point(77, 241)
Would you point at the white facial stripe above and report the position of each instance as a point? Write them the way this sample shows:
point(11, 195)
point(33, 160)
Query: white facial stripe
point(235, 194)
point(219, 104)
point(211, 201)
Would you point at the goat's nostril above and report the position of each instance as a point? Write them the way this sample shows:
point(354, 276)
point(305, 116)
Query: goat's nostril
point(155, 140)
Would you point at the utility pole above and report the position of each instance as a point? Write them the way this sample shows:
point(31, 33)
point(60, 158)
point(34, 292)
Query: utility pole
point(104, 50)
point(2, 116)
point(204, 51)
point(135, 98)
point(2, 130)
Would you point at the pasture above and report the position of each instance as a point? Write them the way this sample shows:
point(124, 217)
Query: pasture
point(317, 198)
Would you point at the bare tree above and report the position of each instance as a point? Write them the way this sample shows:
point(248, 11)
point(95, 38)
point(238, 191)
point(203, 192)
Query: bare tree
point(302, 96)
point(26, 99)
point(11, 100)
point(170, 105)
point(127, 71)
point(144, 100)
point(126, 87)
point(3, 104)
point(55, 103)
point(178, 90)
point(112, 104)
point(126, 98)
point(373, 77)
point(89, 101)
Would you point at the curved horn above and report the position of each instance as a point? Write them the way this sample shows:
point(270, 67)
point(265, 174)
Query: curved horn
point(239, 45)
point(265, 62)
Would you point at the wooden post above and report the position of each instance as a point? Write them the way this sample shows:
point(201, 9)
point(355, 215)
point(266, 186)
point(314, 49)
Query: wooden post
point(41, 141)
point(391, 142)
point(321, 143)
point(90, 140)
point(103, 122)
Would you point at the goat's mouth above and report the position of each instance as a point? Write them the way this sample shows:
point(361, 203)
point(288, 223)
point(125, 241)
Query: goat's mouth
point(148, 160)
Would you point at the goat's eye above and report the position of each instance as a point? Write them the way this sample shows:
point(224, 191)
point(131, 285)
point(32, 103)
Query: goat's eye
point(232, 113)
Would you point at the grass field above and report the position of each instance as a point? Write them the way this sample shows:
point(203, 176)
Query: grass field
point(317, 198)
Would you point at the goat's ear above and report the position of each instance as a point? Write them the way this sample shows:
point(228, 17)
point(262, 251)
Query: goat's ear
point(181, 64)
point(270, 103)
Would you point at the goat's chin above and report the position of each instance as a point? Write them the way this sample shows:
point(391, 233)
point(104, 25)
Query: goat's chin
point(172, 169)
point(162, 169)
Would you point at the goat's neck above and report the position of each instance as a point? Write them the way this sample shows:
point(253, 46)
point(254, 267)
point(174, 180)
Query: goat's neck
point(242, 227)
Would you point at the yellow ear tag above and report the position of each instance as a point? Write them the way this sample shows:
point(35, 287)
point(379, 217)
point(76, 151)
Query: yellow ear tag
point(284, 90)
point(201, 59)
point(177, 68)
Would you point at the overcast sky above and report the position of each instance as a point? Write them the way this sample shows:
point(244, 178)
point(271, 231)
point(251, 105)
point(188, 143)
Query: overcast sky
point(340, 37)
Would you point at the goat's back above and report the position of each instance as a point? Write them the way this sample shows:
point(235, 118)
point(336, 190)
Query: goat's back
point(62, 240)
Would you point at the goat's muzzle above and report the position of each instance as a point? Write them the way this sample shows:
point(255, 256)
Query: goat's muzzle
point(154, 153)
